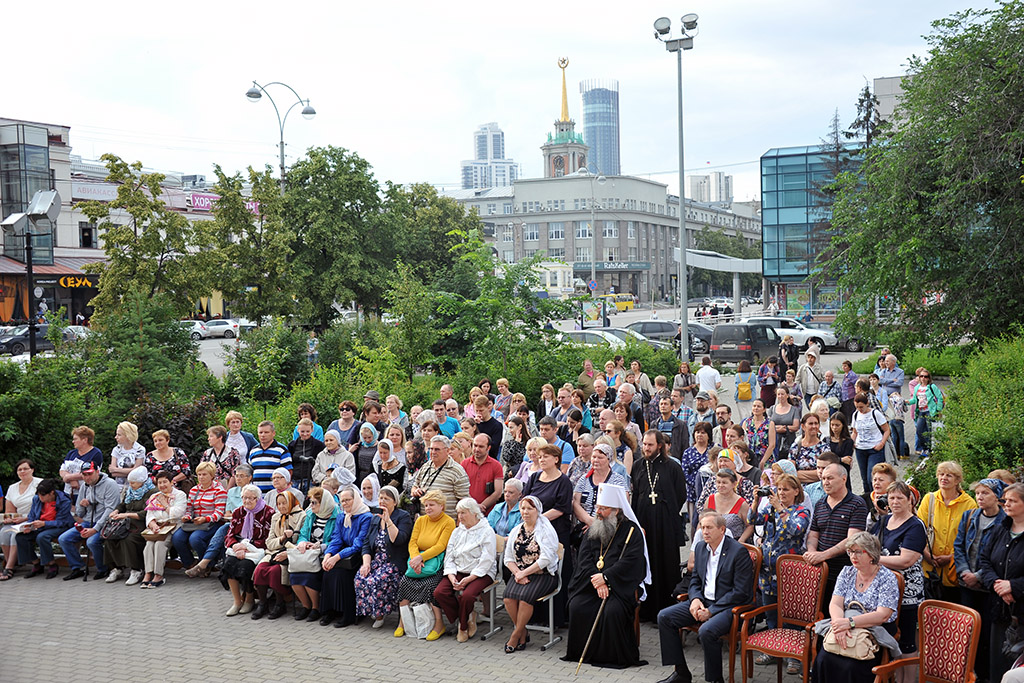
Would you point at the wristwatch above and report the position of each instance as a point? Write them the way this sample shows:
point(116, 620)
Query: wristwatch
point(852, 625)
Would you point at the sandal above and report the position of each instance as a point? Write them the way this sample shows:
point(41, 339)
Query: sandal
point(6, 574)
point(509, 649)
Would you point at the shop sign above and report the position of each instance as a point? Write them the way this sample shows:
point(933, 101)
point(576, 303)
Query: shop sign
point(74, 282)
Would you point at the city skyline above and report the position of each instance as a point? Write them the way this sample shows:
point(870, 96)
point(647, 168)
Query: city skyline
point(167, 89)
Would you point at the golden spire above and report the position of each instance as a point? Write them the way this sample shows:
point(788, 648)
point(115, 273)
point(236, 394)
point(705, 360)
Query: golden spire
point(562, 63)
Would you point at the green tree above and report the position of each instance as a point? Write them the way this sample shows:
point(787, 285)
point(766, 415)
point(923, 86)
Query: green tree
point(156, 250)
point(414, 304)
point(865, 125)
point(341, 252)
point(935, 220)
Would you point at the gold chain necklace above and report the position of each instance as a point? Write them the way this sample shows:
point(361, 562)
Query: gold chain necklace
point(652, 483)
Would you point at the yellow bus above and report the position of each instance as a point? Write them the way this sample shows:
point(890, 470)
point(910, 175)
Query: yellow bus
point(620, 302)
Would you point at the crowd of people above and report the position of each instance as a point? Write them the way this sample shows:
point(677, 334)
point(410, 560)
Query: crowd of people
point(584, 497)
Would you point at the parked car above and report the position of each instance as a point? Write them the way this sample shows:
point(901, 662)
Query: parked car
point(76, 332)
point(733, 342)
point(851, 344)
point(625, 335)
point(222, 327)
point(592, 337)
point(701, 334)
point(15, 341)
point(653, 328)
point(802, 334)
point(197, 330)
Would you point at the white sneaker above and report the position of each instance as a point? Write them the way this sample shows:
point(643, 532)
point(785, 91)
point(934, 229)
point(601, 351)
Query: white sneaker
point(134, 577)
point(377, 623)
point(114, 575)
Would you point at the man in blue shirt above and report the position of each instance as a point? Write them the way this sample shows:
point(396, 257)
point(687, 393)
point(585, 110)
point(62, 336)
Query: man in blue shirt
point(548, 429)
point(267, 457)
point(447, 426)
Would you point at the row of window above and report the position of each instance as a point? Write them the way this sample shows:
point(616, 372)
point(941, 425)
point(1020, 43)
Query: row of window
point(556, 231)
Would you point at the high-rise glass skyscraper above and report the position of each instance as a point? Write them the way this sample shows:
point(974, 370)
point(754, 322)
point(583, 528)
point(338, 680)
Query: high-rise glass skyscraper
point(489, 167)
point(601, 125)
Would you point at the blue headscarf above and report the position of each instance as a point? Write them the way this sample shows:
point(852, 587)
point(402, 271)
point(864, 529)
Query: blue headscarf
point(997, 486)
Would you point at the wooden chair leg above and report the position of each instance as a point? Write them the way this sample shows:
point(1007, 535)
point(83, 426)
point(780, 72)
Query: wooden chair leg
point(778, 667)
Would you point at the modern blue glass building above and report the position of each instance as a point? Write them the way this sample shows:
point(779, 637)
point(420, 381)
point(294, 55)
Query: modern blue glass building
point(795, 223)
point(601, 125)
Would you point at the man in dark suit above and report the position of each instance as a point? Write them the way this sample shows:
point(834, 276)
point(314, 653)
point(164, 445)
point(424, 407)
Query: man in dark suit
point(723, 576)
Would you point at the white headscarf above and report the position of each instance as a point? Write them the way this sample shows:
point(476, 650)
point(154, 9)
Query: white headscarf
point(284, 472)
point(358, 506)
point(374, 499)
point(138, 475)
point(345, 477)
point(547, 539)
point(614, 496)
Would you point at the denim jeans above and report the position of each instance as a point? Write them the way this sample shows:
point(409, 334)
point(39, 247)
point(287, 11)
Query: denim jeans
point(215, 550)
point(199, 541)
point(866, 460)
point(69, 541)
point(44, 538)
point(922, 436)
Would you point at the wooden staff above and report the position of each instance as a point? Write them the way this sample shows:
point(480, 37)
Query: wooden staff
point(601, 609)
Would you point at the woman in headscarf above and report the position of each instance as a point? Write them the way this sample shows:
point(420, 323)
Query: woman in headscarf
point(316, 531)
point(365, 450)
point(125, 554)
point(387, 468)
point(272, 571)
point(333, 456)
point(370, 489)
point(531, 554)
point(247, 534)
point(342, 559)
point(282, 481)
point(385, 555)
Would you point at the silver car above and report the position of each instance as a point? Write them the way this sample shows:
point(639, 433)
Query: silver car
point(222, 327)
point(196, 329)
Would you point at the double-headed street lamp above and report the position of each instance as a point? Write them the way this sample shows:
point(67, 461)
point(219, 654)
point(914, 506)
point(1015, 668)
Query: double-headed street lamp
point(662, 27)
point(600, 179)
point(257, 91)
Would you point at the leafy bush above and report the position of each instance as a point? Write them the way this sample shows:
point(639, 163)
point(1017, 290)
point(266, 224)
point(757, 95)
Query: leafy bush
point(983, 414)
point(945, 362)
point(270, 361)
point(186, 421)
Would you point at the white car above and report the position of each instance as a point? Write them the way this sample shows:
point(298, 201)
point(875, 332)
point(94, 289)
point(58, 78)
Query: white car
point(226, 328)
point(593, 338)
point(802, 334)
point(196, 329)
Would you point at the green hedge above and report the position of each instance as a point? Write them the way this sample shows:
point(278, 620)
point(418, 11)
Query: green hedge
point(983, 415)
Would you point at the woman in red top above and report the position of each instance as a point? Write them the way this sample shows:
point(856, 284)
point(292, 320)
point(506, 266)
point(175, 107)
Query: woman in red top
point(204, 514)
point(731, 504)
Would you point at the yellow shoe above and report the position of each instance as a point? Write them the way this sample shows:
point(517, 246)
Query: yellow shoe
point(433, 635)
point(399, 632)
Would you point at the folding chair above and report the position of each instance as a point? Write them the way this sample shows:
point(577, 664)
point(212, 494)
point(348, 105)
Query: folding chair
point(490, 594)
point(549, 599)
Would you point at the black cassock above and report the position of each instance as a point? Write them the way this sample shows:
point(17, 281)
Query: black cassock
point(663, 526)
point(614, 643)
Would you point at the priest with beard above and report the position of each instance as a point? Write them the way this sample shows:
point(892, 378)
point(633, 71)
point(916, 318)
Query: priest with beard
point(611, 567)
point(659, 496)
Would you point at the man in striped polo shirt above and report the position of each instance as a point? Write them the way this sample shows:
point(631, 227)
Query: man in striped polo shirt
point(267, 456)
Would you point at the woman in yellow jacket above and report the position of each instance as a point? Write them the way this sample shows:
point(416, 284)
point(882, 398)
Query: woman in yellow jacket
point(427, 544)
point(942, 511)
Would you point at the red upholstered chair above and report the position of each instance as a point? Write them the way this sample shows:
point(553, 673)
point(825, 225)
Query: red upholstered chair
point(800, 586)
point(731, 637)
point(947, 643)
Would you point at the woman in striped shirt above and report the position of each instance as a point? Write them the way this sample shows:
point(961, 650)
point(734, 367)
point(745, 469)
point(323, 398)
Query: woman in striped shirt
point(204, 513)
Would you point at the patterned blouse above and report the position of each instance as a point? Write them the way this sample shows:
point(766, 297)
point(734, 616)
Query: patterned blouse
point(693, 460)
point(806, 457)
point(882, 592)
point(757, 437)
point(178, 464)
point(780, 538)
point(527, 550)
point(226, 461)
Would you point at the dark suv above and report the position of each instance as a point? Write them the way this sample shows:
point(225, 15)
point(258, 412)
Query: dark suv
point(752, 342)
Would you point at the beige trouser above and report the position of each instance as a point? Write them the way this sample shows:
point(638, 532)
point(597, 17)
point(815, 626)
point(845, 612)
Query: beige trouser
point(155, 555)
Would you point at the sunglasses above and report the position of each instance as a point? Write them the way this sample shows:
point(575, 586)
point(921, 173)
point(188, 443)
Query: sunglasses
point(346, 410)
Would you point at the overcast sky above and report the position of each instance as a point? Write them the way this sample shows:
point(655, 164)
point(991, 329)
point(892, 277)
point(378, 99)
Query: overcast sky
point(404, 84)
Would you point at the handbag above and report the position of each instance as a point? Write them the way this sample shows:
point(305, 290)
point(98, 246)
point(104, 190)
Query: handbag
point(1013, 642)
point(308, 561)
point(192, 526)
point(160, 534)
point(890, 447)
point(860, 644)
point(252, 553)
point(933, 578)
point(430, 567)
point(115, 529)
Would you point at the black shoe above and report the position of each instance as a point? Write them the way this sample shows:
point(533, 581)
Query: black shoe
point(314, 615)
point(343, 623)
point(52, 571)
point(36, 570)
point(75, 574)
point(101, 575)
point(260, 611)
point(327, 618)
point(301, 613)
point(678, 676)
point(277, 611)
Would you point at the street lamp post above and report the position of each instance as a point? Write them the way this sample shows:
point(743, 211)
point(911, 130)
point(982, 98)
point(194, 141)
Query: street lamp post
point(585, 172)
point(257, 91)
point(662, 27)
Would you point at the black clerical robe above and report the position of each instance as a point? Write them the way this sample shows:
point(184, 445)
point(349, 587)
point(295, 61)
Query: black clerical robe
point(614, 644)
point(664, 527)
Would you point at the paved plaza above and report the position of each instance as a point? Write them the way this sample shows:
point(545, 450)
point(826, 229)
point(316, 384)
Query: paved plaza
point(94, 631)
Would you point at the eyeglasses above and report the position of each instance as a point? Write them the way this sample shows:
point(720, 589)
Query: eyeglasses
point(853, 552)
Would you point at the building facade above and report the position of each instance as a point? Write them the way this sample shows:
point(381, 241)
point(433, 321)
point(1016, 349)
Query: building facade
point(714, 188)
point(489, 167)
point(601, 125)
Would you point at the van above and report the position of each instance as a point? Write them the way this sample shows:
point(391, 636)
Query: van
point(752, 342)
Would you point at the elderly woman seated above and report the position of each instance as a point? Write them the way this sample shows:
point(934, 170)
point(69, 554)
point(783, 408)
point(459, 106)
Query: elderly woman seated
point(875, 590)
point(164, 510)
point(204, 515)
point(334, 455)
point(246, 543)
point(342, 559)
point(242, 477)
point(430, 536)
point(385, 557)
point(272, 571)
point(469, 568)
point(125, 553)
point(505, 515)
point(317, 529)
point(531, 555)
point(282, 481)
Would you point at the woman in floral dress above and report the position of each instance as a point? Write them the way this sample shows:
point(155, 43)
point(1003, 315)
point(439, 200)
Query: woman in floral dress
point(385, 555)
point(760, 434)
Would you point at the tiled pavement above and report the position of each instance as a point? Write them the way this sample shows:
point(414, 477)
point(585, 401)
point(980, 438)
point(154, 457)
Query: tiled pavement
point(95, 631)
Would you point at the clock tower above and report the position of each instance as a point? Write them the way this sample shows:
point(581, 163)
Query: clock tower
point(564, 152)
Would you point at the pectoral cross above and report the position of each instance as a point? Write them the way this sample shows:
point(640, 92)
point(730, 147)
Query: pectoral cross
point(654, 497)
